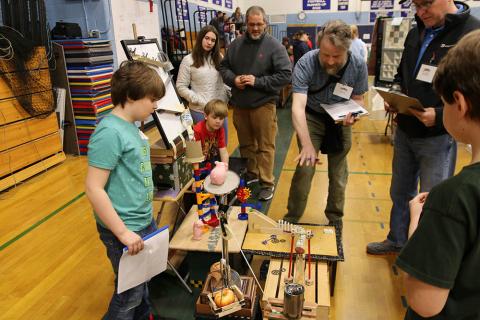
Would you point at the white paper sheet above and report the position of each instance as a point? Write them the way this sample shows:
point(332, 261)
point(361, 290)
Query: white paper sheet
point(338, 111)
point(152, 260)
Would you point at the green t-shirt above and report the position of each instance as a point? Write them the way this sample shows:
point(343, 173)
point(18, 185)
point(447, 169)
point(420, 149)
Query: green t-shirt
point(118, 146)
point(444, 251)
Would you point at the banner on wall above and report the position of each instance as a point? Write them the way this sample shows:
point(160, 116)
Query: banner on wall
point(316, 4)
point(182, 10)
point(342, 5)
point(381, 4)
point(217, 2)
point(406, 4)
point(228, 4)
point(202, 15)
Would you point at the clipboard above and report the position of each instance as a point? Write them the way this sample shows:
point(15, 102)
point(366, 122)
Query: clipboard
point(152, 260)
point(400, 102)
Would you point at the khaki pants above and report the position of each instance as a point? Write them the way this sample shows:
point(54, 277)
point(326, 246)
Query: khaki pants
point(337, 175)
point(256, 131)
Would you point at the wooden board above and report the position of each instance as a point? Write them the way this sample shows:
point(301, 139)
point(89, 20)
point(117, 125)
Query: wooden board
point(21, 132)
point(19, 157)
point(211, 240)
point(13, 179)
point(11, 110)
point(323, 243)
point(318, 293)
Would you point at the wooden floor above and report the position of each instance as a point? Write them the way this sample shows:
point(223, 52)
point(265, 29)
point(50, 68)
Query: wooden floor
point(52, 265)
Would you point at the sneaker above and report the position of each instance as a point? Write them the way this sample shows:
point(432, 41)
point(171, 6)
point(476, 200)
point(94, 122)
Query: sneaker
point(250, 178)
point(266, 193)
point(383, 248)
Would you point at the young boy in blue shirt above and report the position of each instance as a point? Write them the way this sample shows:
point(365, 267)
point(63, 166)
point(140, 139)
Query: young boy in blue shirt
point(442, 255)
point(119, 178)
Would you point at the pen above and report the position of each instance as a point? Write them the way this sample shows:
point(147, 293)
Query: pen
point(354, 114)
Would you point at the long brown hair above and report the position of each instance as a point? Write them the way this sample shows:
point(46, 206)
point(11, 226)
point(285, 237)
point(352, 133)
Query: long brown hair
point(199, 55)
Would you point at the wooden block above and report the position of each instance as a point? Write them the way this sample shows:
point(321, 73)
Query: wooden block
point(21, 132)
point(13, 179)
point(317, 295)
point(276, 310)
point(14, 159)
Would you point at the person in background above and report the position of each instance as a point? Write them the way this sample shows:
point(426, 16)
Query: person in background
point(256, 67)
point(300, 46)
point(119, 178)
point(358, 47)
point(422, 150)
point(442, 255)
point(238, 18)
point(199, 80)
point(218, 22)
point(309, 42)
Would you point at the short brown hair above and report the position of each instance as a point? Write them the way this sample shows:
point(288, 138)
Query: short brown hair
point(338, 32)
point(216, 107)
point(459, 71)
point(135, 80)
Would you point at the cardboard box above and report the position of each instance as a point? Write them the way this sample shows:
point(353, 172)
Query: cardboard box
point(172, 175)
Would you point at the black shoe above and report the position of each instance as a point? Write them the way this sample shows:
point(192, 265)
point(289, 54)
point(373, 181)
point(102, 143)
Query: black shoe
point(250, 178)
point(266, 193)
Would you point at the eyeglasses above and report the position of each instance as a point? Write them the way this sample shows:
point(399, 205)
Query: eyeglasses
point(253, 25)
point(424, 5)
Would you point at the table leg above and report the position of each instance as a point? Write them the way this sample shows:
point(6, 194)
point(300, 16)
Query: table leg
point(333, 276)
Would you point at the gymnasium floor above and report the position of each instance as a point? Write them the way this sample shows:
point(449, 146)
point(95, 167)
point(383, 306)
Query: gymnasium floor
point(52, 265)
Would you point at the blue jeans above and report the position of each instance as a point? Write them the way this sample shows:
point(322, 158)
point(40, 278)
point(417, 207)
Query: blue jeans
point(199, 116)
point(133, 303)
point(428, 160)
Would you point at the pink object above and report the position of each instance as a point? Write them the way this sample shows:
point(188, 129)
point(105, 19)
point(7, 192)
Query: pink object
point(219, 173)
point(198, 229)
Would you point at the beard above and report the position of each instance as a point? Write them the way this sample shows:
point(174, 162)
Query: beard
point(333, 70)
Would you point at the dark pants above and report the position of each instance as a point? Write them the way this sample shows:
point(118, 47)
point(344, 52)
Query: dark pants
point(133, 303)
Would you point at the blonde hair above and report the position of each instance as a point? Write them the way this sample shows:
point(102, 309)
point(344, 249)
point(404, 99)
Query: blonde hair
point(354, 30)
point(216, 107)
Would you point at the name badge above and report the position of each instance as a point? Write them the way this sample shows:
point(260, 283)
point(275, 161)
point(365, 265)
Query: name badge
point(426, 73)
point(343, 91)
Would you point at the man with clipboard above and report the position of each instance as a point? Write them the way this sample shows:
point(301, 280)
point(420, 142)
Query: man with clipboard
point(321, 77)
point(423, 151)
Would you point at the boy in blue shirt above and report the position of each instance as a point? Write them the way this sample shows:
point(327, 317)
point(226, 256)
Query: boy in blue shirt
point(119, 178)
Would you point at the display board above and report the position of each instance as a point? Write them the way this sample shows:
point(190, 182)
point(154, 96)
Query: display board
point(128, 12)
point(169, 108)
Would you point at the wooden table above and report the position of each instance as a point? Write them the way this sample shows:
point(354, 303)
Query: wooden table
point(211, 241)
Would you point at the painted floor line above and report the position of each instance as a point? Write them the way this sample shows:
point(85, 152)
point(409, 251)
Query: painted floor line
point(38, 223)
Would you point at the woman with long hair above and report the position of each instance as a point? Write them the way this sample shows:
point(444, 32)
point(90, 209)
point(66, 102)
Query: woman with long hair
point(198, 79)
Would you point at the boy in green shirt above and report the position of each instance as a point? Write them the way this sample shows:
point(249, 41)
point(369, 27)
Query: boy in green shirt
point(119, 178)
point(442, 255)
